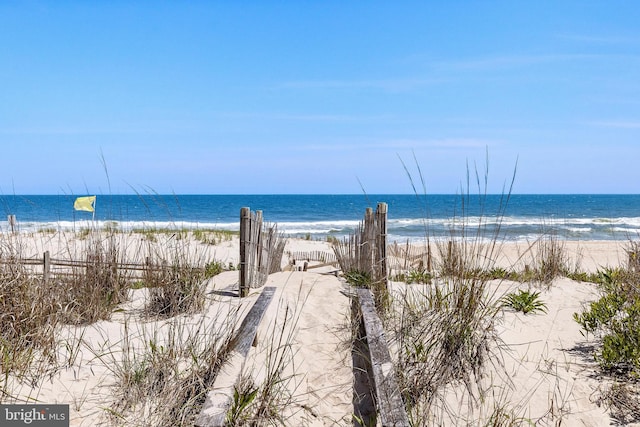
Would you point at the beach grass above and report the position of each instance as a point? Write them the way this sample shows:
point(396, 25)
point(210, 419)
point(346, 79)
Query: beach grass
point(445, 319)
point(160, 338)
point(164, 355)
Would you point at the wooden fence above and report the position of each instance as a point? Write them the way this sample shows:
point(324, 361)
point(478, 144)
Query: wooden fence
point(52, 266)
point(365, 251)
point(320, 256)
point(408, 256)
point(261, 249)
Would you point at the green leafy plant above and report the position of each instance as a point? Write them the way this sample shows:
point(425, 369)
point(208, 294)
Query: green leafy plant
point(499, 273)
point(213, 268)
point(243, 396)
point(419, 276)
point(525, 301)
point(358, 279)
point(582, 276)
point(615, 317)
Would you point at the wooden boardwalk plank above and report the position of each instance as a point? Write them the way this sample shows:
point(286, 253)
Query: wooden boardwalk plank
point(218, 401)
point(391, 410)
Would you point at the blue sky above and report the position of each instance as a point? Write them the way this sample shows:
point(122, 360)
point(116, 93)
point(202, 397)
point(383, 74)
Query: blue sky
point(318, 97)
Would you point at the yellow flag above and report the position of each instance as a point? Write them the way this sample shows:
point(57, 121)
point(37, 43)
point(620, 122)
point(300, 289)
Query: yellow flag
point(84, 203)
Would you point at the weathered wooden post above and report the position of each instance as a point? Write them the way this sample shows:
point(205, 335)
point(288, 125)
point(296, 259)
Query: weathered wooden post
point(245, 236)
point(381, 238)
point(11, 219)
point(46, 266)
point(367, 261)
point(259, 250)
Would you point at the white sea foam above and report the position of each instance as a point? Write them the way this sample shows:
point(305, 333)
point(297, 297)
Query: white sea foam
point(579, 229)
point(118, 225)
point(512, 227)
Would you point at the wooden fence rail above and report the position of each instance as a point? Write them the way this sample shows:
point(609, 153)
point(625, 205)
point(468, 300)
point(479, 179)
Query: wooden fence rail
point(47, 263)
point(320, 256)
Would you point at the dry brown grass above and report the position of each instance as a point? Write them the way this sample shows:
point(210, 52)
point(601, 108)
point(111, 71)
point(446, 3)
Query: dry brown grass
point(162, 367)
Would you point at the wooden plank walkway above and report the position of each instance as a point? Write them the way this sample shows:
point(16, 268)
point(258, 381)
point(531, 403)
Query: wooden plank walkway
point(391, 410)
point(219, 399)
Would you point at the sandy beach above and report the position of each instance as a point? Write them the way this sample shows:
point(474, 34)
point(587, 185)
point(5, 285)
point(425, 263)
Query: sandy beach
point(544, 370)
point(310, 214)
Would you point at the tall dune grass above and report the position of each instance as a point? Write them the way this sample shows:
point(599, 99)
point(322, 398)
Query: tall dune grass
point(163, 363)
point(444, 332)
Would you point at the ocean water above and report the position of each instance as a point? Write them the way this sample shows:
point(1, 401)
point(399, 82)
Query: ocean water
point(410, 216)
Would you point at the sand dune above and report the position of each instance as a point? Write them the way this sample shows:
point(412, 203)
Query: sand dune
point(546, 372)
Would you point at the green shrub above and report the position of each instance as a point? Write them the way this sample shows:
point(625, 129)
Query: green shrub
point(615, 317)
point(525, 301)
point(621, 348)
point(600, 313)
